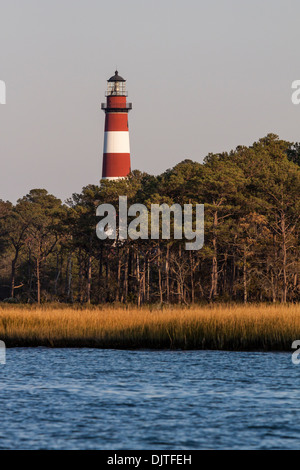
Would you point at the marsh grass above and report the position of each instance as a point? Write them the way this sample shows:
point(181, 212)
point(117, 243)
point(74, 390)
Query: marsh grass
point(227, 327)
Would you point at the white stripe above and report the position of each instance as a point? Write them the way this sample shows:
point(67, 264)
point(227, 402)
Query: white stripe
point(116, 142)
point(113, 177)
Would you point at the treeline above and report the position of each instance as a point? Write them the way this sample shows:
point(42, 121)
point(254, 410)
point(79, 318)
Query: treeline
point(49, 251)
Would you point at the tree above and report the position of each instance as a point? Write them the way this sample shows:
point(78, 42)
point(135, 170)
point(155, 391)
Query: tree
point(43, 228)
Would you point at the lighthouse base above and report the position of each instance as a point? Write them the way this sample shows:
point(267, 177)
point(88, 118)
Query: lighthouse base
point(113, 177)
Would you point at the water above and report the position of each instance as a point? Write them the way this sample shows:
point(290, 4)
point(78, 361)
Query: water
point(160, 400)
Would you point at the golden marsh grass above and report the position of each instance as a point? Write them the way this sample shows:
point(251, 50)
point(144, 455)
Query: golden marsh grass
point(229, 327)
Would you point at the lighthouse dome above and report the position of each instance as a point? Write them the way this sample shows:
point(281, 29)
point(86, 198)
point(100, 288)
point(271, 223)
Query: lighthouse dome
point(116, 78)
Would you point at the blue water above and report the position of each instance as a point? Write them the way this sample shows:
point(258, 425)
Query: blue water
point(160, 400)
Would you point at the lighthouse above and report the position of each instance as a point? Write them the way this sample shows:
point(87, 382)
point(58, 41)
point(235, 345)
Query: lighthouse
point(116, 149)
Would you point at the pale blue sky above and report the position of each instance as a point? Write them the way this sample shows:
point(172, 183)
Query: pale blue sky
point(203, 76)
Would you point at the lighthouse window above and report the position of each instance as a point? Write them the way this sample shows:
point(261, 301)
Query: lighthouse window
point(116, 88)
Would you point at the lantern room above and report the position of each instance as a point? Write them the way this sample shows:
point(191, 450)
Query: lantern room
point(116, 86)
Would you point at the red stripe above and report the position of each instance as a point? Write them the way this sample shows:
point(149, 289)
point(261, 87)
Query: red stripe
point(116, 101)
point(116, 122)
point(116, 165)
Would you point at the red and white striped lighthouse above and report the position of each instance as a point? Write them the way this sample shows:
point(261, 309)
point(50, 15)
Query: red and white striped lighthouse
point(116, 151)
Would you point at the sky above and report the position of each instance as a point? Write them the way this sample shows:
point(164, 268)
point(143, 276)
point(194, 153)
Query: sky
point(203, 76)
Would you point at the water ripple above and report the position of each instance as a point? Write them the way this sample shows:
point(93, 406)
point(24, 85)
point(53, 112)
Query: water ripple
point(159, 400)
